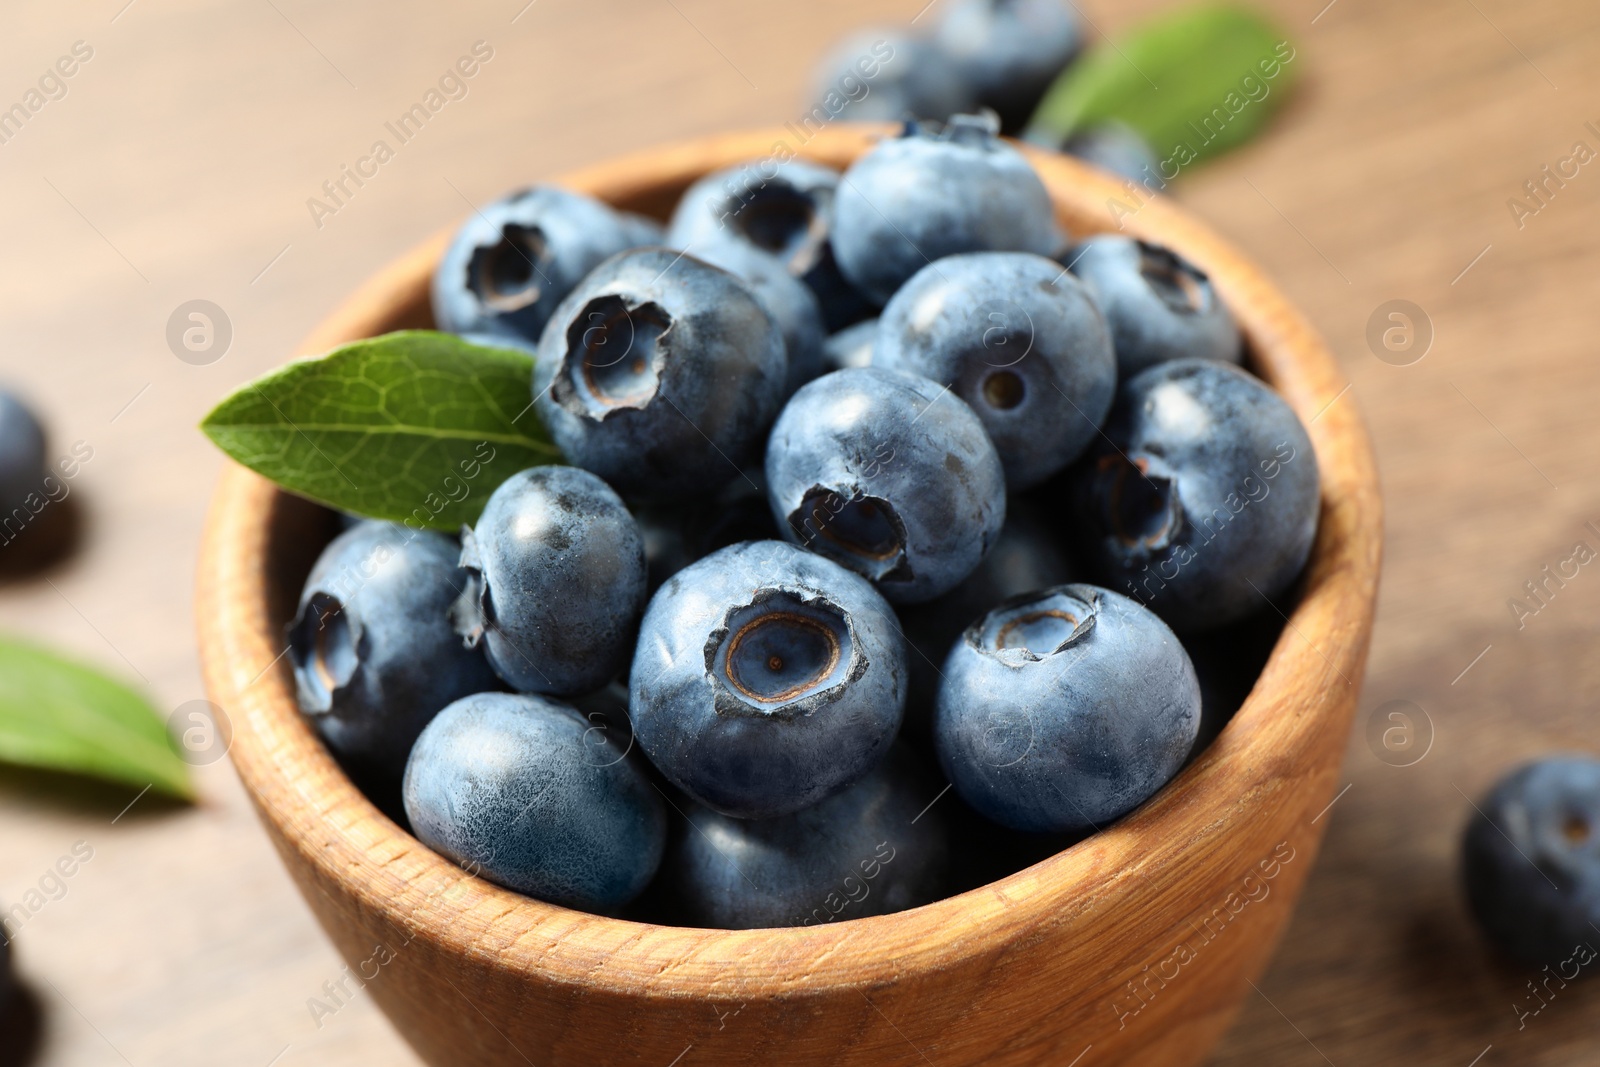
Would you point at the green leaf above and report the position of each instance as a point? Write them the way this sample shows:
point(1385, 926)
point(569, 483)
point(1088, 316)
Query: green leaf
point(63, 716)
point(414, 426)
point(1194, 83)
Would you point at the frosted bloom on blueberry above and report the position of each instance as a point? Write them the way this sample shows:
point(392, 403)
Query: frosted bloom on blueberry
point(766, 679)
point(527, 793)
point(889, 474)
point(511, 263)
point(660, 373)
point(1065, 709)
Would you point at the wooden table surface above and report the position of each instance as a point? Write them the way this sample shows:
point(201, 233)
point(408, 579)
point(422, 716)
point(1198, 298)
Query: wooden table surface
point(178, 166)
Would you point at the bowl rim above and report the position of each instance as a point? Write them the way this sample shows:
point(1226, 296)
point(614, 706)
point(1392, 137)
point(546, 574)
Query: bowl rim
point(315, 812)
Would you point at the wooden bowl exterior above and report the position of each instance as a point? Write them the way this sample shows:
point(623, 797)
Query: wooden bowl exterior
point(1134, 947)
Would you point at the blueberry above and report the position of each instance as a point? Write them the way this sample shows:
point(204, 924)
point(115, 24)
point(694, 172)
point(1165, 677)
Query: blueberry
point(1065, 709)
point(373, 652)
point(512, 262)
point(1020, 340)
point(780, 208)
point(525, 792)
point(558, 579)
point(1027, 557)
point(1159, 306)
point(889, 474)
point(1118, 148)
point(1202, 501)
point(851, 346)
point(766, 679)
point(1531, 859)
point(785, 299)
point(928, 194)
point(873, 849)
point(660, 373)
point(22, 455)
point(1009, 51)
point(886, 75)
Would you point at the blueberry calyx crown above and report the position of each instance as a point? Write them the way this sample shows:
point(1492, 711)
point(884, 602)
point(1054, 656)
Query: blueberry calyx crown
point(782, 654)
point(1180, 285)
point(988, 386)
point(324, 648)
point(1003, 389)
point(615, 353)
point(505, 275)
point(978, 129)
point(472, 614)
point(1140, 504)
point(1563, 838)
point(1035, 626)
point(861, 532)
point(782, 221)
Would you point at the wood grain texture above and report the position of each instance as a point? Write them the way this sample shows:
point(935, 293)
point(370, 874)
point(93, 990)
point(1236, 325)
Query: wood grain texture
point(1194, 888)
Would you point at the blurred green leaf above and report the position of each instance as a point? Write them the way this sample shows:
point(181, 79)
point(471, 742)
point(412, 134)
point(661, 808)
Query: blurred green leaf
point(411, 426)
point(64, 716)
point(1194, 83)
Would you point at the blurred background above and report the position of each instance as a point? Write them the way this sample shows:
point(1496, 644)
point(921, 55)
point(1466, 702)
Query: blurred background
point(178, 165)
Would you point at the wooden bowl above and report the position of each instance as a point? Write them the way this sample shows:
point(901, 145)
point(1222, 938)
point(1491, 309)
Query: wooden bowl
point(1134, 947)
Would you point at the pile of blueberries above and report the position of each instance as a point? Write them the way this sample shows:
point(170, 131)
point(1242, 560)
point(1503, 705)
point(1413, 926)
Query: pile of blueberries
point(970, 54)
point(845, 452)
point(997, 54)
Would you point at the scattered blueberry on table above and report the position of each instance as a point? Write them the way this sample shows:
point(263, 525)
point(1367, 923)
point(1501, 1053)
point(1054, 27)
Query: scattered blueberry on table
point(22, 453)
point(1530, 860)
point(841, 452)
